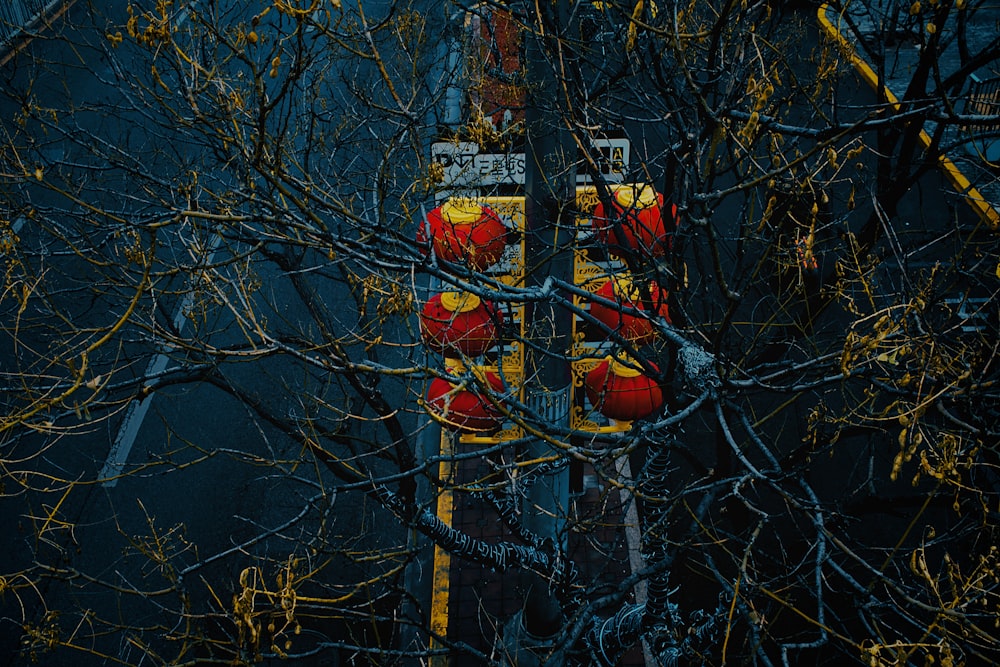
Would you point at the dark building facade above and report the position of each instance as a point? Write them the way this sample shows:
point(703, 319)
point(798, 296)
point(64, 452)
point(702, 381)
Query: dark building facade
point(18, 15)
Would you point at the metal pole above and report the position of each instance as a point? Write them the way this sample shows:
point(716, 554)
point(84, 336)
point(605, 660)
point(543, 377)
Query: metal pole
point(550, 194)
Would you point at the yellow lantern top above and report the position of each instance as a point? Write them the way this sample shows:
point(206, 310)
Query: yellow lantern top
point(636, 196)
point(621, 368)
point(624, 288)
point(461, 211)
point(459, 302)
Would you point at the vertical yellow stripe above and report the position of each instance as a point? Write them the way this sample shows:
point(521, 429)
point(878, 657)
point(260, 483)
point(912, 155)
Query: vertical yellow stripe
point(441, 575)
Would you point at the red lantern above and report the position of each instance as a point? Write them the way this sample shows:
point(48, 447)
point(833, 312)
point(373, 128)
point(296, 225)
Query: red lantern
point(632, 327)
point(622, 392)
point(460, 322)
point(635, 221)
point(463, 231)
point(463, 408)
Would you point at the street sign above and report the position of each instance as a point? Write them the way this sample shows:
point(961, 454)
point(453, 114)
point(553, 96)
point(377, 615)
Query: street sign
point(465, 166)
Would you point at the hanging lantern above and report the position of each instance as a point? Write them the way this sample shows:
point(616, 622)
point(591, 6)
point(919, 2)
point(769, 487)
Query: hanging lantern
point(635, 222)
point(463, 231)
point(460, 323)
point(463, 408)
point(621, 392)
point(632, 327)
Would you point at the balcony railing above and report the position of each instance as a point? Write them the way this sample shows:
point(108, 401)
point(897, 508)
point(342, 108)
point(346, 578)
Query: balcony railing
point(983, 99)
point(18, 15)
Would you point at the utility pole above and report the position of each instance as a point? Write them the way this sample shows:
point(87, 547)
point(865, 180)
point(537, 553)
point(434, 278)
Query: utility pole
point(550, 200)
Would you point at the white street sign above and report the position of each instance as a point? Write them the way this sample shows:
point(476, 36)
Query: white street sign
point(465, 166)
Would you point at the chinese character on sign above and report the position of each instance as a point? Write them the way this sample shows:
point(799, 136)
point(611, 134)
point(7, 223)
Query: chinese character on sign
point(465, 166)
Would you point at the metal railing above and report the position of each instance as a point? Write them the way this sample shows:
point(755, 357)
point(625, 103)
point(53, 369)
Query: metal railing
point(983, 99)
point(16, 15)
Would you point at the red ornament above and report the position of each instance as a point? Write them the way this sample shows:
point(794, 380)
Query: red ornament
point(464, 409)
point(622, 392)
point(632, 327)
point(463, 231)
point(635, 221)
point(460, 323)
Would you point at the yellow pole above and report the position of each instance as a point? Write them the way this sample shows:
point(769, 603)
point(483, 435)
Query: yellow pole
point(441, 571)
